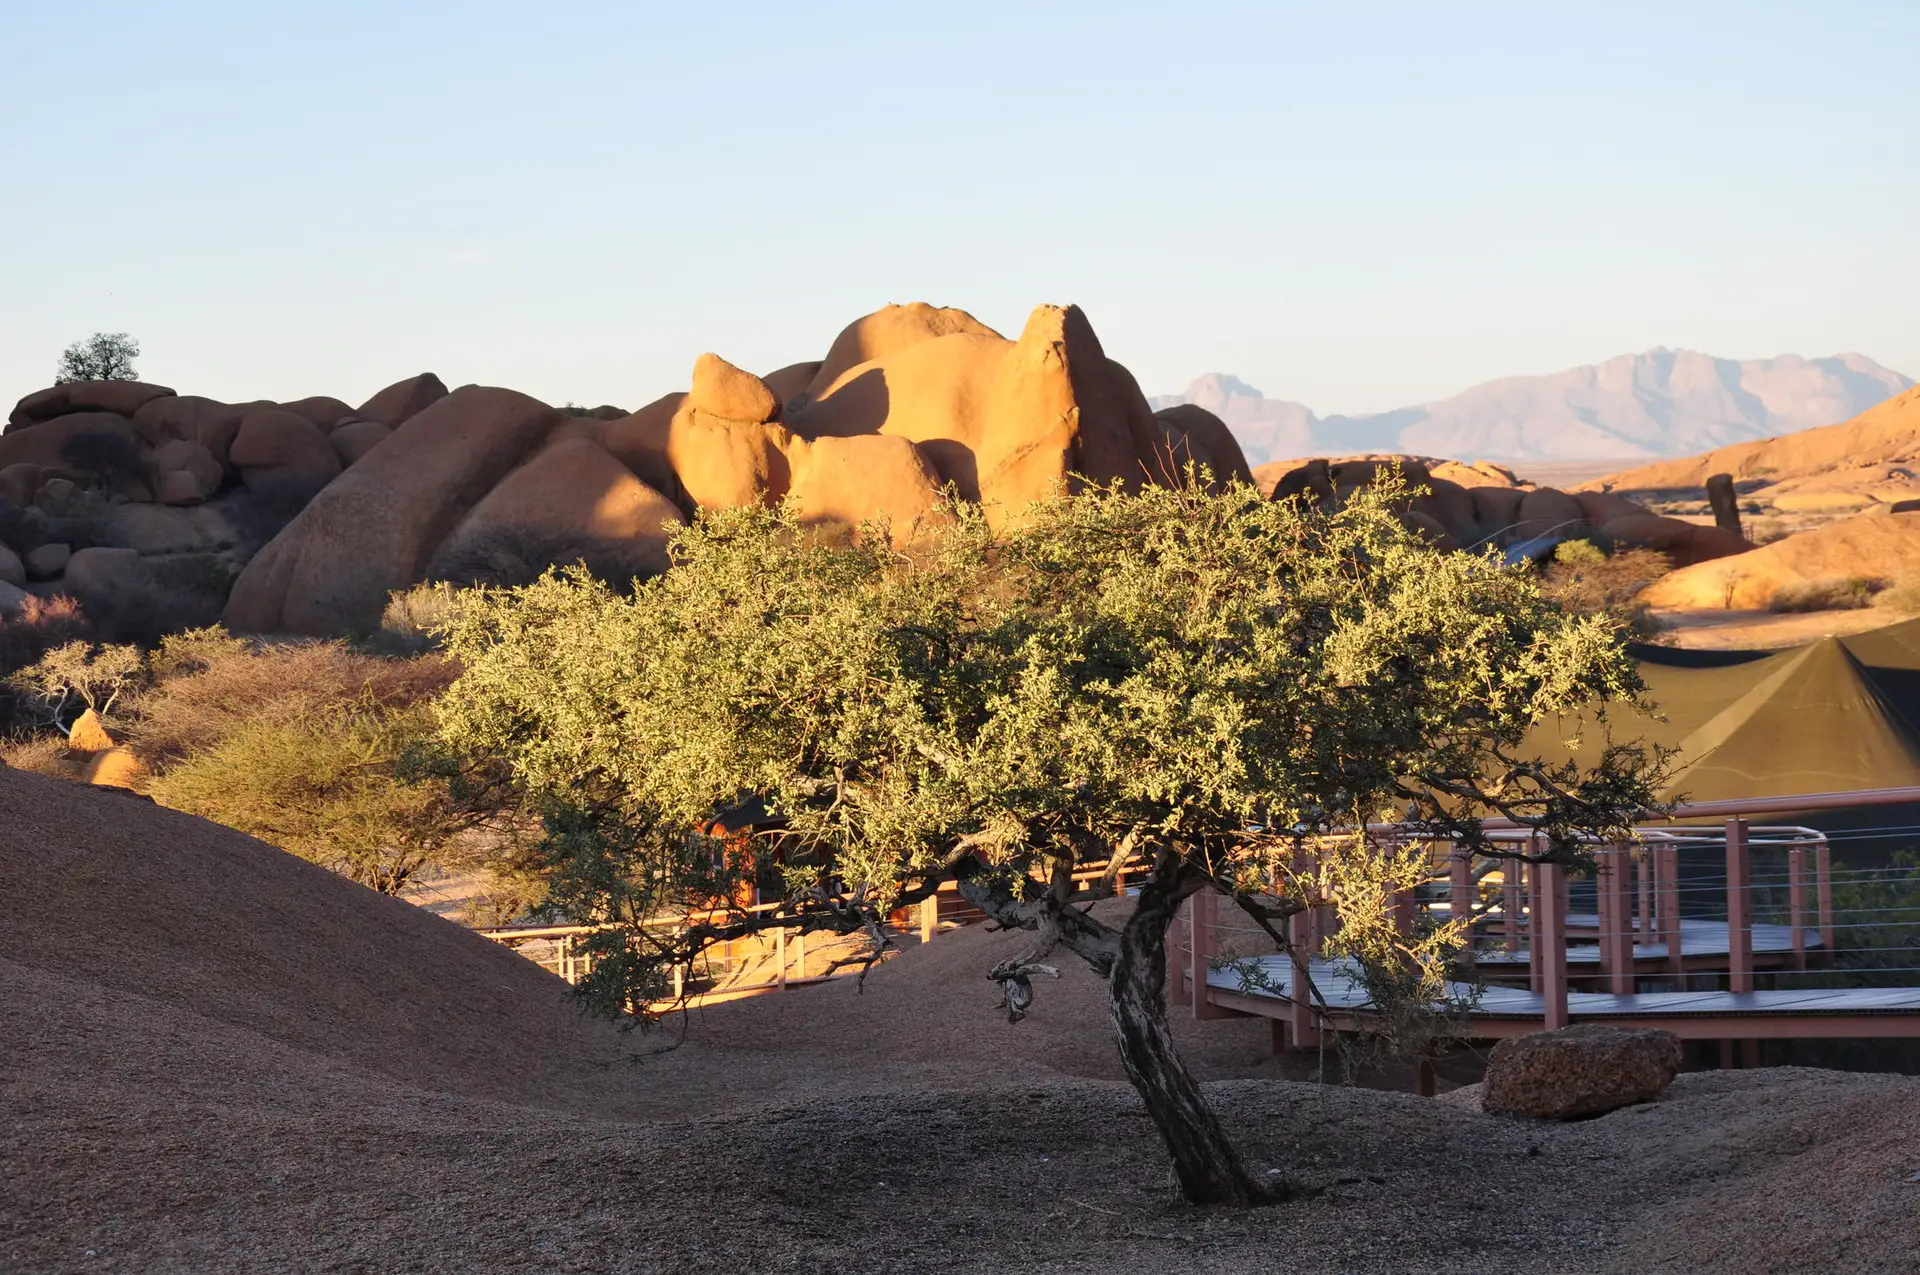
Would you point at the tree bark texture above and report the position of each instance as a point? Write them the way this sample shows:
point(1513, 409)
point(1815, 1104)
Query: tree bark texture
point(1208, 1168)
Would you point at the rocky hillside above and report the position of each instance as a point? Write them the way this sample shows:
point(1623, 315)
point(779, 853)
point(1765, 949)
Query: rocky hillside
point(1481, 505)
point(103, 485)
point(1869, 460)
point(1659, 403)
point(1866, 553)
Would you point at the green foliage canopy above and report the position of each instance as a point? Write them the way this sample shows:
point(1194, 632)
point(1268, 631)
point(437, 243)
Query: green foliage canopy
point(1213, 683)
point(104, 356)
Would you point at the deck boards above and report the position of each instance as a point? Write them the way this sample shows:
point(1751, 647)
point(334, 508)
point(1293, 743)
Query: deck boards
point(1336, 983)
point(1697, 939)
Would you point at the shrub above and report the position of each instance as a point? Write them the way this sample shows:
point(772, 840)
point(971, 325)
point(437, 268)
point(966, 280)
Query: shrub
point(1587, 581)
point(414, 618)
point(210, 685)
point(303, 744)
point(325, 787)
point(107, 458)
point(1828, 593)
point(509, 557)
point(209, 575)
point(41, 625)
point(43, 754)
point(1902, 595)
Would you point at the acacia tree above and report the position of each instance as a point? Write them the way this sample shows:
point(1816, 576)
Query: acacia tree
point(1206, 684)
point(95, 676)
point(104, 356)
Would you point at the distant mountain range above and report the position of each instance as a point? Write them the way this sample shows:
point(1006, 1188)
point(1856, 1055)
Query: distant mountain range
point(1660, 403)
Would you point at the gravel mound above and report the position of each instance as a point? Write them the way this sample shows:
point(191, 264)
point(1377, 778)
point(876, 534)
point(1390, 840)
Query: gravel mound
point(217, 1058)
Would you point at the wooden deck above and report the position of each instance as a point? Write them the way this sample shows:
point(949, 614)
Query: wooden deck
point(1638, 962)
point(1253, 986)
point(1701, 942)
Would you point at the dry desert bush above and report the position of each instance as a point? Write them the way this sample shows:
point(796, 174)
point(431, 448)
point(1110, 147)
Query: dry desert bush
point(414, 618)
point(209, 684)
point(1827, 593)
point(42, 754)
point(1902, 595)
point(1585, 579)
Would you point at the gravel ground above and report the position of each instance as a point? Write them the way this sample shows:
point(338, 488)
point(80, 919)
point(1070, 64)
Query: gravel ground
point(219, 1059)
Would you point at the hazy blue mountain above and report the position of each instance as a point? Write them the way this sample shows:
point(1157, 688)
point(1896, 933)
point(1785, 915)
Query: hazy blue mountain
point(1660, 403)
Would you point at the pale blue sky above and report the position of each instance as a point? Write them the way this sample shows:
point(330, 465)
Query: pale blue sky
point(1356, 206)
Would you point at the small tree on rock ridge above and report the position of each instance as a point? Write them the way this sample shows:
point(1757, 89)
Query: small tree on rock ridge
point(1214, 684)
point(104, 356)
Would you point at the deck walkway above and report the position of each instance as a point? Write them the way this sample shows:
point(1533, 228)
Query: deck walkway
point(1699, 941)
point(1253, 986)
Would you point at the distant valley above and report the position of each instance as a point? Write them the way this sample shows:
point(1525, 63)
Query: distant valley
point(1655, 404)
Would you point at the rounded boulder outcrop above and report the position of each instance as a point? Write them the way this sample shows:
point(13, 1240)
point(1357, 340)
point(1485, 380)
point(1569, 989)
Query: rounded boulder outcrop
point(188, 472)
point(375, 528)
point(1191, 435)
point(19, 481)
point(715, 447)
point(1007, 422)
point(722, 464)
point(1880, 547)
point(1547, 511)
point(101, 577)
point(1579, 1071)
point(277, 447)
point(1449, 504)
point(573, 502)
point(402, 400)
point(50, 445)
point(723, 390)
point(639, 441)
point(789, 383)
point(190, 418)
point(848, 481)
point(320, 409)
point(888, 331)
point(122, 398)
point(1496, 508)
point(355, 439)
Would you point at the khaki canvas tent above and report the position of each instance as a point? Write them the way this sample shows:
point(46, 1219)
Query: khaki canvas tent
point(1837, 714)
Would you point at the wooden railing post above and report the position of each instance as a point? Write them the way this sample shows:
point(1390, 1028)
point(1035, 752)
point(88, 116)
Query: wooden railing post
point(1797, 902)
point(1616, 919)
point(1512, 902)
point(1179, 944)
point(1643, 876)
point(1460, 893)
point(1205, 944)
point(1404, 911)
point(1666, 871)
point(1535, 969)
point(780, 957)
point(1303, 1021)
point(1739, 910)
point(1550, 942)
point(1823, 889)
point(929, 917)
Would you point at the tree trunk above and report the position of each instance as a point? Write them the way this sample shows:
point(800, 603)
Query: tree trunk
point(1209, 1169)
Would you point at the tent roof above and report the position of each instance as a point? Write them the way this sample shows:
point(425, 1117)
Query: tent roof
point(1838, 714)
point(1814, 723)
